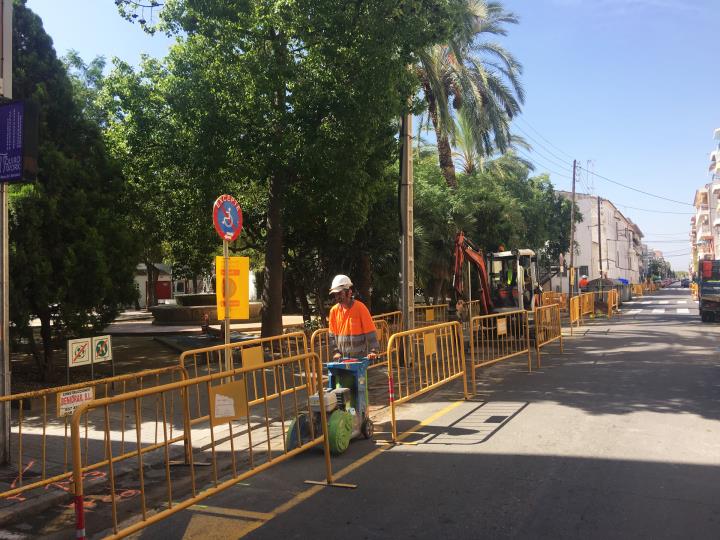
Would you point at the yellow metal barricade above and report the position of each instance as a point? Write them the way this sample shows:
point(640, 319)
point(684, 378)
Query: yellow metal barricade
point(247, 354)
point(613, 303)
point(243, 435)
point(40, 424)
point(547, 328)
point(498, 337)
point(423, 359)
point(550, 297)
point(587, 304)
point(212, 359)
point(430, 315)
point(575, 318)
point(393, 319)
point(320, 344)
point(637, 290)
point(694, 290)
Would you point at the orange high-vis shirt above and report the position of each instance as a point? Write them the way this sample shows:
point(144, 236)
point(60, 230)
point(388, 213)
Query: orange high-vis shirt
point(352, 330)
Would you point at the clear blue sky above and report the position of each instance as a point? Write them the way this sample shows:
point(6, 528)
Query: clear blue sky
point(631, 85)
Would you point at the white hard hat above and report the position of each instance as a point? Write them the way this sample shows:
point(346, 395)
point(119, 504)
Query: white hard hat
point(584, 277)
point(340, 283)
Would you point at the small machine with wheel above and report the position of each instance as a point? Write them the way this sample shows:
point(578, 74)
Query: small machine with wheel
point(346, 407)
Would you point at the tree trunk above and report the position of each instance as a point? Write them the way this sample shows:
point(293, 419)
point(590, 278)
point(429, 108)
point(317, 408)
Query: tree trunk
point(152, 277)
point(273, 282)
point(304, 304)
point(46, 334)
point(364, 279)
point(291, 304)
point(447, 166)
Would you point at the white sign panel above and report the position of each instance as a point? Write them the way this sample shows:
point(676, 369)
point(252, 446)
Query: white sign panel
point(79, 352)
point(502, 326)
point(70, 400)
point(101, 349)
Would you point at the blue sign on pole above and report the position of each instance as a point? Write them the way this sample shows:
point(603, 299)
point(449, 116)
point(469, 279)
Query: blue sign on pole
point(11, 141)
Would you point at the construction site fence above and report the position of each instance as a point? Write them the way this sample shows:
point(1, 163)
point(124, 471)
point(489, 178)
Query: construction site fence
point(494, 338)
point(40, 442)
point(423, 359)
point(587, 304)
point(430, 315)
point(638, 289)
point(242, 429)
point(575, 312)
point(218, 358)
point(393, 319)
point(320, 344)
point(548, 328)
point(694, 290)
point(550, 297)
point(613, 303)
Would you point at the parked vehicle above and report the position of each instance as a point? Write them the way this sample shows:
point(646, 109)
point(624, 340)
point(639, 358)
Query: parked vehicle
point(709, 290)
point(685, 283)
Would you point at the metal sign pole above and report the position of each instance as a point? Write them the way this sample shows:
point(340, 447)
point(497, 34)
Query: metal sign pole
point(226, 294)
point(6, 12)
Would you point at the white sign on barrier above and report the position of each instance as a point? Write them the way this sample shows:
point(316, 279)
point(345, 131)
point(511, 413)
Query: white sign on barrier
point(502, 326)
point(101, 349)
point(70, 400)
point(79, 352)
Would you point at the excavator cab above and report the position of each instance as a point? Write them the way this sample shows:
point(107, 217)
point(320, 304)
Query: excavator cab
point(513, 279)
point(508, 279)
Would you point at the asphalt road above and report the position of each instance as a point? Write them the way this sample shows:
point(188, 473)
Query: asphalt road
point(619, 437)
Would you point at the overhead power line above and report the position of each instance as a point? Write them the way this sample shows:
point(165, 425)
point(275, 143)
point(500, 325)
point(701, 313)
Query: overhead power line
point(544, 139)
point(555, 159)
point(656, 211)
point(636, 189)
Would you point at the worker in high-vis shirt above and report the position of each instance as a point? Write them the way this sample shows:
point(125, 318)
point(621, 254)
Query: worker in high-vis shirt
point(351, 328)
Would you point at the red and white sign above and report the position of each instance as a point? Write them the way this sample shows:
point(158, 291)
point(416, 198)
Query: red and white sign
point(227, 217)
point(79, 352)
point(70, 400)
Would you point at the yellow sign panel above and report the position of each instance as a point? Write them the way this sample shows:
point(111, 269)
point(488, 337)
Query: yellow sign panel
point(228, 402)
point(429, 315)
point(238, 289)
point(430, 344)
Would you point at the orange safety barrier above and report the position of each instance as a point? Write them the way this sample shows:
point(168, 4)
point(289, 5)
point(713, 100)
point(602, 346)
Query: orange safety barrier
point(587, 304)
point(613, 303)
point(241, 431)
point(45, 414)
point(430, 315)
point(423, 359)
point(637, 290)
point(547, 328)
point(498, 337)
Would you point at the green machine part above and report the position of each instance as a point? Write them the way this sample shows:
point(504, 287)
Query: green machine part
point(340, 427)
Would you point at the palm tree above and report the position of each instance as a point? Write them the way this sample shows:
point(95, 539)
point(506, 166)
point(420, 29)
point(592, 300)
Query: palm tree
point(479, 79)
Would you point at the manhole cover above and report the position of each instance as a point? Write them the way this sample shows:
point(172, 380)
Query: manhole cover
point(496, 420)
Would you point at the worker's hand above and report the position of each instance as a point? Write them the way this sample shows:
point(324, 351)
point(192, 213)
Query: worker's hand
point(372, 356)
point(337, 356)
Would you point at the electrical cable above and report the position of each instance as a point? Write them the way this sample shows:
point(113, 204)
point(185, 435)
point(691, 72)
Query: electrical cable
point(636, 189)
point(655, 211)
point(558, 160)
point(543, 138)
point(543, 165)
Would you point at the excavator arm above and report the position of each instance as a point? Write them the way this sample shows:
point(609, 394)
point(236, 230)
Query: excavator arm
point(465, 250)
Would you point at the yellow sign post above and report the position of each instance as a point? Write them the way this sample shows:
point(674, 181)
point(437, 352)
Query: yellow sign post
point(238, 287)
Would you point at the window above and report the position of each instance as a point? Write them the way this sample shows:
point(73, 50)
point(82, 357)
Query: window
point(584, 271)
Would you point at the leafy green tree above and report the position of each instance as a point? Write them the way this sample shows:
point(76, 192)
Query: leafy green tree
point(294, 100)
point(71, 254)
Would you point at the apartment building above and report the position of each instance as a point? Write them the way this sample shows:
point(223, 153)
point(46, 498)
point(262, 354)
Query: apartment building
point(705, 224)
point(618, 249)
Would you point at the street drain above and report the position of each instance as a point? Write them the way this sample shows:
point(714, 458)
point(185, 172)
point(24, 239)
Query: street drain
point(496, 420)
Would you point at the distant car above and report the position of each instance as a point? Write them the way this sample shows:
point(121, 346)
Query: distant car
point(685, 282)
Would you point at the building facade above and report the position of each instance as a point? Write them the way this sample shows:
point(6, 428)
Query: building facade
point(705, 224)
point(617, 253)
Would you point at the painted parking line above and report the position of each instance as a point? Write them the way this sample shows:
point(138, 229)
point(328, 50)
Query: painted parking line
point(305, 495)
point(658, 311)
point(683, 311)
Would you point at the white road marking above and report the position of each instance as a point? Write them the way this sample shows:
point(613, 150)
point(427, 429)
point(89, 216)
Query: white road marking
point(634, 311)
point(682, 302)
point(664, 302)
point(683, 311)
point(659, 311)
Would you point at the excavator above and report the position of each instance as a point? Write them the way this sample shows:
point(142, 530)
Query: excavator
point(508, 279)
